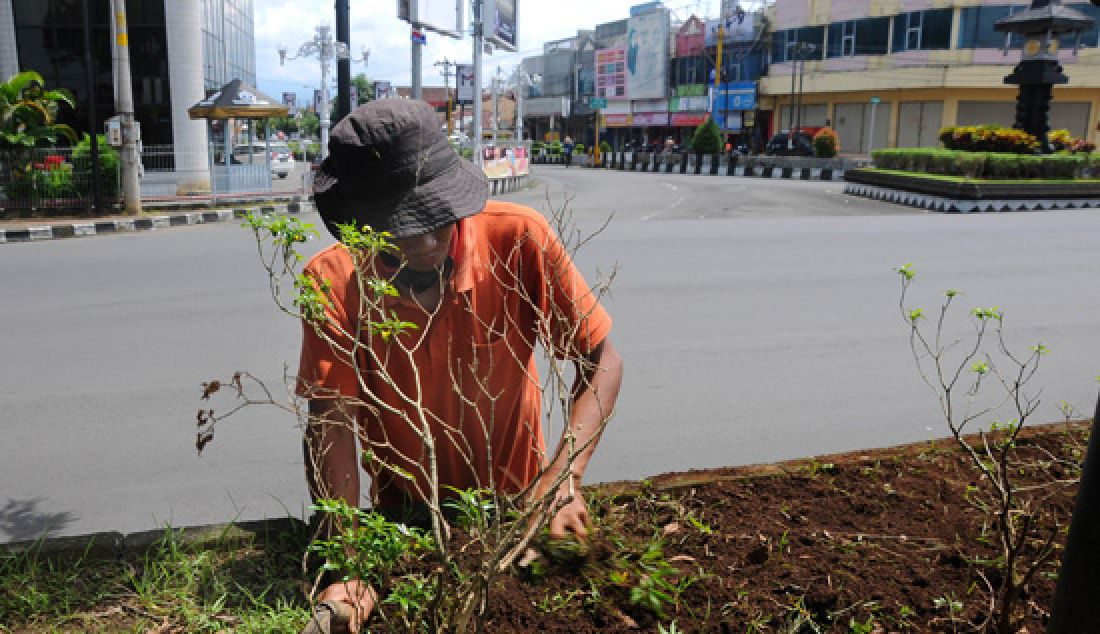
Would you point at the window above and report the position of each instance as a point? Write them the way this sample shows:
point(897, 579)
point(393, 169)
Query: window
point(922, 30)
point(859, 37)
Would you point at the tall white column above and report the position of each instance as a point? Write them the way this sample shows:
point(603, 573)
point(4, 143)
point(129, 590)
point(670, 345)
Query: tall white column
point(183, 31)
point(9, 54)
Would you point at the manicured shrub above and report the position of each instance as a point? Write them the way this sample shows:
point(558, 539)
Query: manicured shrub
point(826, 143)
point(108, 166)
point(605, 147)
point(707, 138)
point(1061, 166)
point(988, 138)
point(991, 165)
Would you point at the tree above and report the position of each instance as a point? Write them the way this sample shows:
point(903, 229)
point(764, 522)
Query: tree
point(28, 112)
point(309, 124)
point(707, 138)
point(287, 125)
point(364, 88)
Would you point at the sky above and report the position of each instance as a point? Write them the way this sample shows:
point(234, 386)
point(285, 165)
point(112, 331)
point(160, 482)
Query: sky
point(374, 25)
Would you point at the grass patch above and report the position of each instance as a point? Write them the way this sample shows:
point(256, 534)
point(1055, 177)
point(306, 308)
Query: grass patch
point(985, 181)
point(240, 585)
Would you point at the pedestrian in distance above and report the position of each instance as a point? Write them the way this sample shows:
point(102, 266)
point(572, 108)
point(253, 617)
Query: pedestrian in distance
point(485, 285)
point(567, 147)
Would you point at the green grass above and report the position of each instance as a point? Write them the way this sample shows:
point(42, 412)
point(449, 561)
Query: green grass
point(214, 586)
point(987, 181)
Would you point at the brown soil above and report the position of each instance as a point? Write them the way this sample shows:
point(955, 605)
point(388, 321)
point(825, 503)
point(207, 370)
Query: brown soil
point(882, 540)
point(875, 542)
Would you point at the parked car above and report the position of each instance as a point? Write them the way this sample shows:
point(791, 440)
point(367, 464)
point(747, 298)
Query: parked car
point(282, 161)
point(780, 145)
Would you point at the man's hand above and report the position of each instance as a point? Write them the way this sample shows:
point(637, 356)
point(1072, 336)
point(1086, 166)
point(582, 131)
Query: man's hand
point(572, 518)
point(354, 593)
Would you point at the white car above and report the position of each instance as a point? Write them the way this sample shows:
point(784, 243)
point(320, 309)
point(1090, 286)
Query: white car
point(282, 161)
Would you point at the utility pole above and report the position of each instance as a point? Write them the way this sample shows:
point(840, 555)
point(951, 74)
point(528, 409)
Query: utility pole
point(479, 41)
point(417, 51)
point(447, 74)
point(495, 84)
point(718, 68)
point(343, 64)
point(124, 106)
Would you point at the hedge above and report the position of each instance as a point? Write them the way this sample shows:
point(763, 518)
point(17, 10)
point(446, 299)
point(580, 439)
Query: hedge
point(987, 165)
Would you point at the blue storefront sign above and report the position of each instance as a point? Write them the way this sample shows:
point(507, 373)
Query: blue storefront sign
point(730, 100)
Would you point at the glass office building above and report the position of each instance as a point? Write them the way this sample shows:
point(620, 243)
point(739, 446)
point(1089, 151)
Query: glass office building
point(180, 51)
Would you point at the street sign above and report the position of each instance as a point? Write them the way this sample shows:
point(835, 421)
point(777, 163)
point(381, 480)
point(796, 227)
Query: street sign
point(597, 103)
point(418, 37)
point(875, 100)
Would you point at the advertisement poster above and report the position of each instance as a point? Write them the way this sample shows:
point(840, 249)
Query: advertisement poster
point(441, 16)
point(611, 73)
point(465, 75)
point(382, 89)
point(737, 28)
point(647, 40)
point(501, 23)
point(505, 161)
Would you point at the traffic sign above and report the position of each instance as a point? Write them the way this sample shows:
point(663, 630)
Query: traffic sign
point(418, 37)
point(875, 100)
point(597, 103)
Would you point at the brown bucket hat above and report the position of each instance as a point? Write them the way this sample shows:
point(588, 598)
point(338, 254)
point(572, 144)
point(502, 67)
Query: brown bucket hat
point(390, 167)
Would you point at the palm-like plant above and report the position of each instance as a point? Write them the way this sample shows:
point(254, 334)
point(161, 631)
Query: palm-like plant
point(28, 112)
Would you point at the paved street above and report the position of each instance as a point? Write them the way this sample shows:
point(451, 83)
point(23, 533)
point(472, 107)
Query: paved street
point(757, 318)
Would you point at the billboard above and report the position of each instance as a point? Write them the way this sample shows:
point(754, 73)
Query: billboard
point(740, 27)
point(611, 73)
point(731, 100)
point(647, 39)
point(441, 16)
point(464, 74)
point(383, 89)
point(501, 21)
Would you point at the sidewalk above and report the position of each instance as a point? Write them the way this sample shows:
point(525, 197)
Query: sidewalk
point(156, 214)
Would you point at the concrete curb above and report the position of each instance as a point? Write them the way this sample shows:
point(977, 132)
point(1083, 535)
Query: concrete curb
point(954, 205)
point(148, 223)
point(750, 171)
point(114, 545)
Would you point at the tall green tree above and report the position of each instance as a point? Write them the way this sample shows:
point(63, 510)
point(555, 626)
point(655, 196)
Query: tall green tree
point(28, 112)
point(309, 124)
point(364, 87)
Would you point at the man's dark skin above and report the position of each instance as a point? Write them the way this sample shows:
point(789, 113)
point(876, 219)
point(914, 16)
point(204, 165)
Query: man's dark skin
point(594, 394)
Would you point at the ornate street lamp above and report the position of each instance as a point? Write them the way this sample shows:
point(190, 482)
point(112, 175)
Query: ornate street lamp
point(326, 49)
point(1040, 27)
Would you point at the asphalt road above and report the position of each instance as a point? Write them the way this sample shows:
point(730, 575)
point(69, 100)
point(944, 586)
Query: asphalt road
point(758, 320)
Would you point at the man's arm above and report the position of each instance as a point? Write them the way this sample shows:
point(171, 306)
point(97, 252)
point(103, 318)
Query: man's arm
point(332, 472)
point(332, 462)
point(594, 394)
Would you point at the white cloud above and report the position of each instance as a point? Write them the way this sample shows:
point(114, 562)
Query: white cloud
point(374, 25)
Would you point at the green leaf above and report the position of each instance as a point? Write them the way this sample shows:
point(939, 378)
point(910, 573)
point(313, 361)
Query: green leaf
point(905, 270)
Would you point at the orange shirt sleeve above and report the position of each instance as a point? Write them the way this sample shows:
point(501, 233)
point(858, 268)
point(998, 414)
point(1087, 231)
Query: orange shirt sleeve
point(324, 370)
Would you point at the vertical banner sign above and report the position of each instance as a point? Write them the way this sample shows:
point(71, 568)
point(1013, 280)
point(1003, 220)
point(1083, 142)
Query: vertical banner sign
point(501, 24)
point(354, 90)
point(611, 73)
point(465, 75)
point(290, 100)
point(647, 40)
point(381, 89)
point(317, 100)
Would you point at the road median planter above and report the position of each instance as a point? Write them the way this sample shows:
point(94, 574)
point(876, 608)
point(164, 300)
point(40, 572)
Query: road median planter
point(975, 189)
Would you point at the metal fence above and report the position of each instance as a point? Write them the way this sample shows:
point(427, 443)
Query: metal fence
point(55, 179)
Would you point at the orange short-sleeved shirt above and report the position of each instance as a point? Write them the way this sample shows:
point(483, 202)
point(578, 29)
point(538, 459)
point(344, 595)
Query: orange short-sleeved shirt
point(476, 356)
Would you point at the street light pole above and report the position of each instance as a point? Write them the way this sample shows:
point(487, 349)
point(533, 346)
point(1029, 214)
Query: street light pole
point(325, 49)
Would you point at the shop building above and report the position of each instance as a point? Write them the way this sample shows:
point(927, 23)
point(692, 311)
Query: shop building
point(890, 74)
